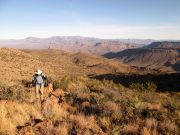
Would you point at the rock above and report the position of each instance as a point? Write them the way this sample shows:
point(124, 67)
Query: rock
point(35, 121)
point(59, 93)
point(43, 128)
point(50, 88)
point(85, 104)
point(28, 130)
point(53, 99)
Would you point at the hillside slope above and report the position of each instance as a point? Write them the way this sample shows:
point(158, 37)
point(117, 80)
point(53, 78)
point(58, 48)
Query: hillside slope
point(86, 95)
point(163, 56)
point(17, 65)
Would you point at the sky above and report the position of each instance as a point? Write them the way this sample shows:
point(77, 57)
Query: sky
point(112, 19)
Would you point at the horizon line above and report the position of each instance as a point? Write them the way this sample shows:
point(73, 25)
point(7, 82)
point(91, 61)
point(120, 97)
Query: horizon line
point(87, 37)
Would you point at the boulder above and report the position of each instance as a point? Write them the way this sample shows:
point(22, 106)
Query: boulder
point(44, 128)
point(59, 93)
point(53, 99)
point(28, 130)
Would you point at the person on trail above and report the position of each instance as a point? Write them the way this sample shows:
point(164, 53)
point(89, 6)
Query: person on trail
point(39, 81)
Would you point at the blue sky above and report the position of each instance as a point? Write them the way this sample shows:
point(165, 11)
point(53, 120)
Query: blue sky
point(157, 19)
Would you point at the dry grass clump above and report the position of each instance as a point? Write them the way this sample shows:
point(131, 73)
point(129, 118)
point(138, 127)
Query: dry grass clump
point(85, 123)
point(112, 109)
point(62, 129)
point(130, 129)
point(6, 127)
point(57, 112)
point(13, 114)
point(147, 131)
point(105, 124)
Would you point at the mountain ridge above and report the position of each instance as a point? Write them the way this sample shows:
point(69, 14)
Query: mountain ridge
point(76, 44)
point(163, 56)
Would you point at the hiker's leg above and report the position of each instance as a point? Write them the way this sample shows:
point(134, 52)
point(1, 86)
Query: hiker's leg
point(37, 91)
point(42, 92)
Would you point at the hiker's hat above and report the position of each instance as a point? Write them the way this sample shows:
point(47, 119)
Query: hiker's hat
point(38, 72)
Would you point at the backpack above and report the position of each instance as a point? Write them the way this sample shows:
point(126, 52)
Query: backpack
point(45, 80)
point(34, 80)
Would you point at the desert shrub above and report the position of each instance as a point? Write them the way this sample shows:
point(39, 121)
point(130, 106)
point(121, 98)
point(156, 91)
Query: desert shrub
point(95, 86)
point(137, 86)
point(56, 84)
point(64, 83)
point(129, 129)
point(138, 103)
point(3, 94)
point(58, 113)
point(148, 86)
point(153, 113)
point(104, 123)
point(150, 97)
point(81, 97)
point(15, 92)
point(120, 87)
point(97, 98)
point(171, 106)
point(99, 86)
point(167, 127)
point(83, 124)
point(112, 85)
point(62, 129)
point(147, 131)
point(113, 110)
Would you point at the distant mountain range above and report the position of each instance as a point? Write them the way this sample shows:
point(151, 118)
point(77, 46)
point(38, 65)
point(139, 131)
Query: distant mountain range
point(163, 56)
point(76, 44)
point(141, 53)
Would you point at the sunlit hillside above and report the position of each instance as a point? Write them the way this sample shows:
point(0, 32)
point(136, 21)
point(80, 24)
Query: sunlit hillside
point(86, 95)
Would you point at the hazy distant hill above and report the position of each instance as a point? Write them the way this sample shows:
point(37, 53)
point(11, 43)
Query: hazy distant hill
point(76, 44)
point(164, 56)
point(137, 41)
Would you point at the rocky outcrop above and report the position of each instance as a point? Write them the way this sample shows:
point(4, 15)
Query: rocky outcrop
point(164, 56)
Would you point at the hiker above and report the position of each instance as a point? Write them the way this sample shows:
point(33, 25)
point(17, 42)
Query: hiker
point(39, 80)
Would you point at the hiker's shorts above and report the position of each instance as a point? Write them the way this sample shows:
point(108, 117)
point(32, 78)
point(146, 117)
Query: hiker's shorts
point(39, 91)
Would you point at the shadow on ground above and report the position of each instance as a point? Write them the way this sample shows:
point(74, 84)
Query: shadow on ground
point(164, 82)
